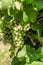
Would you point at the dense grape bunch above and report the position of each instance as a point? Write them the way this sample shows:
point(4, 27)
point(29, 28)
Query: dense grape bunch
point(17, 36)
point(13, 33)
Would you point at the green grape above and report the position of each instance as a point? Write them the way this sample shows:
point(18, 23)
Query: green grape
point(7, 31)
point(17, 36)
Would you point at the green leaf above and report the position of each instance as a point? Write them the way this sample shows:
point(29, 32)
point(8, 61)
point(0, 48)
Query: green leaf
point(36, 63)
point(0, 24)
point(19, 16)
point(41, 54)
point(31, 53)
point(25, 17)
point(29, 1)
point(28, 52)
point(13, 12)
point(22, 52)
point(35, 27)
point(18, 61)
point(30, 12)
point(15, 61)
point(39, 4)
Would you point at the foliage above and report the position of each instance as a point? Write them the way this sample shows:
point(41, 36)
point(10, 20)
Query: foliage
point(21, 25)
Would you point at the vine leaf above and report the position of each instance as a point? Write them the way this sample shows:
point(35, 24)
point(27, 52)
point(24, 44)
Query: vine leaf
point(39, 4)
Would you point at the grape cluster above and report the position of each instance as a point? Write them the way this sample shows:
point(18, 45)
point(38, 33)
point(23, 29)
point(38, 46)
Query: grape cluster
point(18, 36)
point(14, 33)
